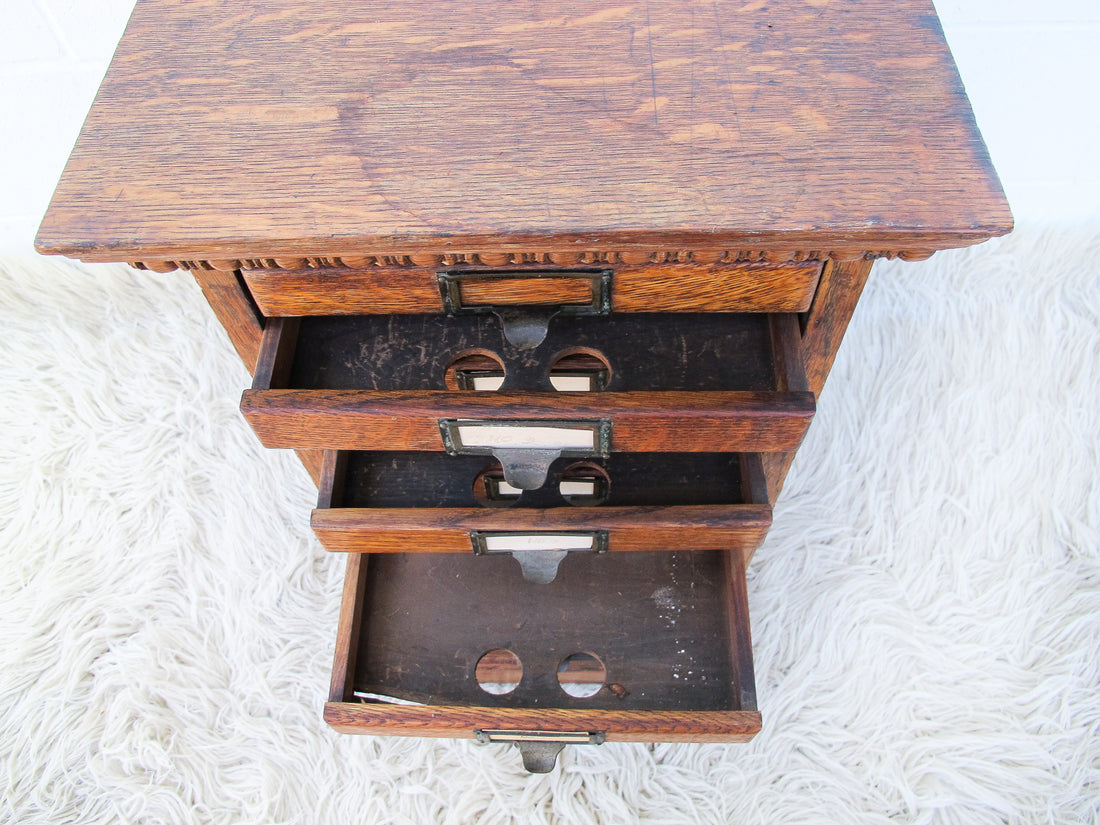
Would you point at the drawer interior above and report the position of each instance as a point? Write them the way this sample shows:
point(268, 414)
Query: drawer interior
point(635, 646)
point(668, 383)
point(621, 352)
point(424, 479)
point(404, 502)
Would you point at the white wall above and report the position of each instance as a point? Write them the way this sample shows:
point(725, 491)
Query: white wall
point(1031, 69)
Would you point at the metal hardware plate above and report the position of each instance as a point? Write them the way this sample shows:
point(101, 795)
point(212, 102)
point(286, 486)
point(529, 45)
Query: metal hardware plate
point(526, 448)
point(540, 749)
point(539, 563)
point(525, 326)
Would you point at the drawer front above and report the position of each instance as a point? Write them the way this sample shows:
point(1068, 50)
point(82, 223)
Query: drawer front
point(426, 502)
point(669, 287)
point(635, 421)
point(627, 647)
point(672, 383)
point(616, 529)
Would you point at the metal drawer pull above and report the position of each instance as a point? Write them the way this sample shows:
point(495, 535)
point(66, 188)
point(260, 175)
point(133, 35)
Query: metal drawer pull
point(526, 449)
point(539, 748)
point(539, 554)
point(526, 300)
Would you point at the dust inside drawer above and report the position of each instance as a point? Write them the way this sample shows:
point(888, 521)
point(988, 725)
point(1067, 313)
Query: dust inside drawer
point(637, 647)
point(424, 479)
point(620, 383)
point(617, 353)
point(405, 502)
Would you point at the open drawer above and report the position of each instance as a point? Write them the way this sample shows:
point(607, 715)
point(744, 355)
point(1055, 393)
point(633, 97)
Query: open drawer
point(404, 502)
point(642, 647)
point(657, 383)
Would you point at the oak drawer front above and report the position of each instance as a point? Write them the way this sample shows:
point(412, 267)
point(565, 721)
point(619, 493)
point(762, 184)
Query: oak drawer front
point(668, 632)
point(405, 502)
point(731, 422)
point(667, 287)
point(672, 383)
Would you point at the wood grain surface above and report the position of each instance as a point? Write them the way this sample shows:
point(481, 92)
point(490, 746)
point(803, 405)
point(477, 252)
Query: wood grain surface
point(838, 293)
point(641, 421)
point(447, 530)
point(620, 726)
point(349, 627)
point(743, 287)
point(445, 609)
point(268, 128)
point(229, 299)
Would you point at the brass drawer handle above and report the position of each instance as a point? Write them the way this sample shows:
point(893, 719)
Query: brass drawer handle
point(526, 300)
point(540, 748)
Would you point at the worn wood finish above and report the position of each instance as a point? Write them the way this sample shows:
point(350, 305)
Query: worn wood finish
point(744, 287)
point(671, 254)
point(276, 353)
point(330, 491)
point(827, 321)
point(399, 479)
point(641, 421)
point(232, 306)
point(620, 726)
point(435, 604)
point(667, 351)
point(790, 371)
point(447, 530)
point(738, 287)
point(740, 635)
point(825, 324)
point(293, 129)
point(533, 291)
point(349, 629)
point(312, 460)
point(731, 157)
point(431, 617)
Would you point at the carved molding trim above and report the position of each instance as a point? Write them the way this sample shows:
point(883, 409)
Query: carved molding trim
point(706, 257)
point(905, 255)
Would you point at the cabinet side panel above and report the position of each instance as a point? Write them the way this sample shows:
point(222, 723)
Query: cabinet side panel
point(838, 292)
point(235, 311)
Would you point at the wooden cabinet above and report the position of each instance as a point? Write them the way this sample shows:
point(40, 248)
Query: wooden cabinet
point(543, 299)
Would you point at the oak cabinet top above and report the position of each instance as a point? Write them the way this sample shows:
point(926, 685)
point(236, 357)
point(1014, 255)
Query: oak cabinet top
point(281, 127)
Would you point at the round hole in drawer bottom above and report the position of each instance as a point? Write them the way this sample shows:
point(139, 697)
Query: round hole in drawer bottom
point(581, 675)
point(474, 369)
point(498, 671)
point(491, 490)
point(585, 484)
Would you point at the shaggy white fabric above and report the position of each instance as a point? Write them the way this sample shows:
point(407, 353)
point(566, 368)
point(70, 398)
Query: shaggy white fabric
point(926, 609)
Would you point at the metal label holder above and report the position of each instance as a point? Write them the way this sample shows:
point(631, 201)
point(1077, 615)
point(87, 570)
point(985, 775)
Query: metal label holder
point(525, 325)
point(539, 566)
point(526, 467)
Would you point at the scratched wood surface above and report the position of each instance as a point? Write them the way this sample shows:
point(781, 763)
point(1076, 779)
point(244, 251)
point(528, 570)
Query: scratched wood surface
point(429, 618)
point(639, 702)
point(743, 287)
point(236, 128)
point(738, 527)
point(677, 422)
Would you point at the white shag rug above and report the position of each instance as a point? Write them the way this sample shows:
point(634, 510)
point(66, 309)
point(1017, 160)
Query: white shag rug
point(926, 610)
